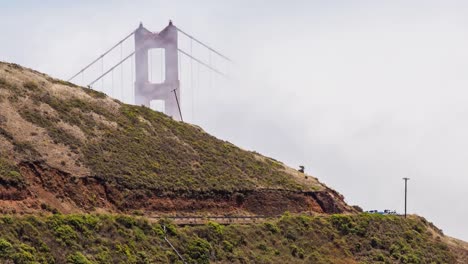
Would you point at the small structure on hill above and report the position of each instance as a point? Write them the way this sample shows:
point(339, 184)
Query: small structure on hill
point(301, 169)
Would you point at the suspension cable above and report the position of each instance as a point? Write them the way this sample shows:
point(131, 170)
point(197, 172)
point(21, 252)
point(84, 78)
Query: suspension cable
point(120, 62)
point(203, 44)
point(104, 54)
point(115, 66)
point(202, 63)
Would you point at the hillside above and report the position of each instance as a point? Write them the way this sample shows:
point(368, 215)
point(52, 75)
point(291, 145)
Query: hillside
point(70, 149)
point(88, 179)
point(342, 239)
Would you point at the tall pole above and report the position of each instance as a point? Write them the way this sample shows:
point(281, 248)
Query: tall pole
point(406, 191)
point(178, 105)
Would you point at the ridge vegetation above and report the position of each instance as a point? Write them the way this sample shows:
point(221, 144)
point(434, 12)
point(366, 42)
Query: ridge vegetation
point(131, 145)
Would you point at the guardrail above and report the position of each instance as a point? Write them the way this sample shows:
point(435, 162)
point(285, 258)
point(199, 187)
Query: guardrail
point(199, 220)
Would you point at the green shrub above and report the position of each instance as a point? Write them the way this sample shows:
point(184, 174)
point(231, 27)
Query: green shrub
point(199, 251)
point(297, 252)
point(142, 258)
point(65, 234)
point(25, 254)
point(216, 228)
point(168, 226)
point(9, 174)
point(380, 257)
point(77, 258)
point(23, 257)
point(273, 228)
point(262, 247)
point(5, 247)
point(126, 221)
point(227, 246)
point(375, 242)
point(94, 93)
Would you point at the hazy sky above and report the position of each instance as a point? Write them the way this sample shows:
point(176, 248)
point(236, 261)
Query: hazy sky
point(362, 93)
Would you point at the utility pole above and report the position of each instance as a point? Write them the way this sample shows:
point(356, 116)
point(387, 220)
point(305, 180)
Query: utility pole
point(406, 191)
point(178, 105)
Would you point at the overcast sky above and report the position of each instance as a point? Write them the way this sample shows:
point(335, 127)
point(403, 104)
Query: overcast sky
point(362, 93)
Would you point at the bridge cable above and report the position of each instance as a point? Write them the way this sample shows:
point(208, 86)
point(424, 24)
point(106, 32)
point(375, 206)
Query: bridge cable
point(202, 63)
point(203, 44)
point(115, 66)
point(120, 62)
point(192, 86)
point(104, 54)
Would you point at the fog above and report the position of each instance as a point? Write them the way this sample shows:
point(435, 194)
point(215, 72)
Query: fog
point(362, 93)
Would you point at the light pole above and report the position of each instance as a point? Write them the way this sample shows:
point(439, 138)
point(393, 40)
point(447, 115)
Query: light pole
point(406, 191)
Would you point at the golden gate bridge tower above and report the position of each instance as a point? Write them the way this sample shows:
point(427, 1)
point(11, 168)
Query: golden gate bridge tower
point(167, 91)
point(143, 87)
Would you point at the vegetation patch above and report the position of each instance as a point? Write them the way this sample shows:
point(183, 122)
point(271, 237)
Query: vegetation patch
point(290, 239)
point(10, 175)
point(147, 151)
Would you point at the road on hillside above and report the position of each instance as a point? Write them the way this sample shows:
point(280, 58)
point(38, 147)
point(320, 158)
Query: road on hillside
point(201, 220)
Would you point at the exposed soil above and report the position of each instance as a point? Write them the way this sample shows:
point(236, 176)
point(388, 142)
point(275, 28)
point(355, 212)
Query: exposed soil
point(49, 189)
point(459, 248)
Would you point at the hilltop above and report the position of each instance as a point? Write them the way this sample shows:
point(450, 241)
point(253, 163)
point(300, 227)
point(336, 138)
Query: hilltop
point(71, 149)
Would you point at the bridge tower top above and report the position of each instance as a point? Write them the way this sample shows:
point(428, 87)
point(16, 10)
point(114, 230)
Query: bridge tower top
point(144, 89)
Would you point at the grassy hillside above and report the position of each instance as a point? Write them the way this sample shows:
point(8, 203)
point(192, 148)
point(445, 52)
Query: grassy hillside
point(72, 148)
point(132, 146)
point(360, 238)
